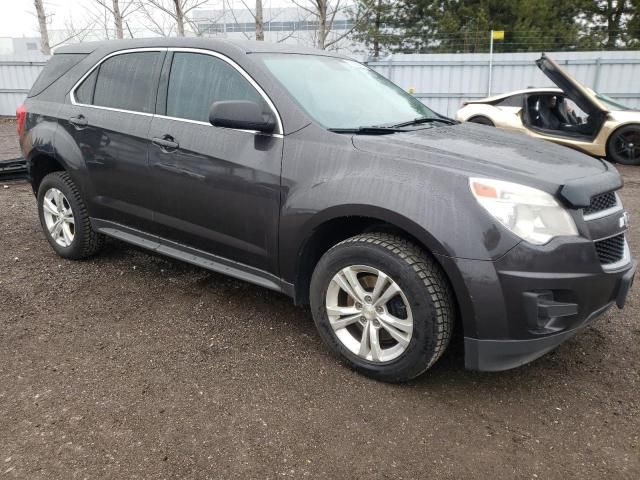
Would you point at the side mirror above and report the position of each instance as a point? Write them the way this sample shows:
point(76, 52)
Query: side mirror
point(241, 114)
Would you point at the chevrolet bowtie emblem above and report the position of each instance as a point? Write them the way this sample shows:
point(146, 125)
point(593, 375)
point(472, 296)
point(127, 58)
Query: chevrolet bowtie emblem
point(624, 220)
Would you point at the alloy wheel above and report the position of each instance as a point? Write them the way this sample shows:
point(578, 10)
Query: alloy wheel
point(627, 145)
point(369, 313)
point(58, 217)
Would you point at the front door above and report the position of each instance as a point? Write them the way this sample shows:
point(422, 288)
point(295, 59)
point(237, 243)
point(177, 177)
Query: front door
point(215, 189)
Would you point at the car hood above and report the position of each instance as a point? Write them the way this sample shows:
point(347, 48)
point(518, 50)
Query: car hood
point(583, 96)
point(480, 150)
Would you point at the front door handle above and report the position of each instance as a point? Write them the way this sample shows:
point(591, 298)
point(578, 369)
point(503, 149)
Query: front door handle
point(79, 121)
point(166, 143)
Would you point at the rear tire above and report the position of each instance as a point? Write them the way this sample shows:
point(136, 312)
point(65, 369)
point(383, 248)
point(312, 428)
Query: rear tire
point(481, 120)
point(64, 218)
point(623, 145)
point(413, 327)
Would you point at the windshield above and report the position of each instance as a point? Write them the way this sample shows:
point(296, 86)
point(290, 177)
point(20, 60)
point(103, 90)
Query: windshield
point(343, 94)
point(610, 102)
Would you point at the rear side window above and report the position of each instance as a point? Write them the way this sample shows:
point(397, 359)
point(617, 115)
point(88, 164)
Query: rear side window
point(513, 101)
point(197, 80)
point(55, 68)
point(84, 93)
point(127, 82)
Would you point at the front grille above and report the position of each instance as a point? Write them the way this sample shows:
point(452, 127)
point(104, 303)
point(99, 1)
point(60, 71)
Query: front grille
point(610, 250)
point(601, 202)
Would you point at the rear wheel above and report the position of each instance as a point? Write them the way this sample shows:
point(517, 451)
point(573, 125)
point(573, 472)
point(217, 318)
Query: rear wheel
point(624, 145)
point(64, 218)
point(482, 121)
point(383, 305)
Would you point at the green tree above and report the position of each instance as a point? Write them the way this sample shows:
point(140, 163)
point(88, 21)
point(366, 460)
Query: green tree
point(377, 24)
point(610, 23)
point(634, 25)
point(452, 25)
point(529, 25)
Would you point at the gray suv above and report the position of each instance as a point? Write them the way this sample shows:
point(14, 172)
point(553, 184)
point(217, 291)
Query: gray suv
point(309, 174)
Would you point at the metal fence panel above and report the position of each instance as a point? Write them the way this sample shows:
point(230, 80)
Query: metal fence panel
point(444, 81)
point(17, 74)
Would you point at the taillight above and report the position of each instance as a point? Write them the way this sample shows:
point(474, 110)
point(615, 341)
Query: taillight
point(21, 116)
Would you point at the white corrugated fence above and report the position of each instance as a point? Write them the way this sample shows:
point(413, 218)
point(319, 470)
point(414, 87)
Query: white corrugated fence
point(444, 81)
point(17, 74)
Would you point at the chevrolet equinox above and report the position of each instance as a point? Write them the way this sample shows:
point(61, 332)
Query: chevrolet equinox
point(308, 173)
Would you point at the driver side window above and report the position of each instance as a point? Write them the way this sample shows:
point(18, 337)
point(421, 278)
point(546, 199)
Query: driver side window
point(574, 113)
point(197, 80)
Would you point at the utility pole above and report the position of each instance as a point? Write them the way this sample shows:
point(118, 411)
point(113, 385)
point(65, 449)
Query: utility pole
point(490, 65)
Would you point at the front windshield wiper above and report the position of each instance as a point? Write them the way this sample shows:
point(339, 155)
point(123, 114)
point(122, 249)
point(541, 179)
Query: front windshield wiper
point(372, 130)
point(418, 121)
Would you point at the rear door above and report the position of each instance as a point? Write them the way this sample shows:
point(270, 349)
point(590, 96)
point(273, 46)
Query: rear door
point(108, 117)
point(215, 189)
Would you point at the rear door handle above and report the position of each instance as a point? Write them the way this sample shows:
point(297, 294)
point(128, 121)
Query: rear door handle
point(167, 142)
point(79, 121)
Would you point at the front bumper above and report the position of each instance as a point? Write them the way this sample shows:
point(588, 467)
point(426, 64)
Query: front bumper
point(523, 305)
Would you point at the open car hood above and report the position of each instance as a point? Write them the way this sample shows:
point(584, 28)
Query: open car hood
point(577, 92)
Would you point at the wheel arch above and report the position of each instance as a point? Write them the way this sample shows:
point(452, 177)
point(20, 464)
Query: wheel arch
point(631, 123)
point(39, 165)
point(337, 224)
point(483, 116)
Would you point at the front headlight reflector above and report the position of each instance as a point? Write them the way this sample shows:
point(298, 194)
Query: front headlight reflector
point(531, 214)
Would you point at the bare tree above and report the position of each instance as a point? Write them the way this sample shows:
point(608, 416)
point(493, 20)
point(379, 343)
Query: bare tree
point(42, 26)
point(119, 10)
point(257, 18)
point(177, 10)
point(259, 21)
point(325, 12)
point(71, 32)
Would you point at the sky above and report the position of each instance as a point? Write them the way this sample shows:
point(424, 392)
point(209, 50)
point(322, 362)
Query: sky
point(18, 19)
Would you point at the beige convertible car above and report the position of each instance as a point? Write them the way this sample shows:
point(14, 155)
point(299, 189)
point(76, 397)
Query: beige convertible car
point(571, 115)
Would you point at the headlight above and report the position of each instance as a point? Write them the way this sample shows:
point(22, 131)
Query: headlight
point(531, 214)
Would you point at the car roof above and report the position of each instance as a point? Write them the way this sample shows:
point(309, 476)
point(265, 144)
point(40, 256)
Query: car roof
point(215, 44)
point(517, 92)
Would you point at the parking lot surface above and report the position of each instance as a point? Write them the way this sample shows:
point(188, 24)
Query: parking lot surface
point(131, 365)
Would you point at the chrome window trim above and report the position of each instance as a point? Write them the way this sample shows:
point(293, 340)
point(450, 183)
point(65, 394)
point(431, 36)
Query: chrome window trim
point(207, 124)
point(238, 68)
point(604, 213)
point(72, 93)
point(242, 72)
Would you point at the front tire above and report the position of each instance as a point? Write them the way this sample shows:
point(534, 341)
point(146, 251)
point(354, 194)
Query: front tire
point(64, 218)
point(624, 145)
point(383, 305)
point(482, 120)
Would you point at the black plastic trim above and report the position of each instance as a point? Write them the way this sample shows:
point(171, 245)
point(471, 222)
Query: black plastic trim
point(499, 355)
point(190, 255)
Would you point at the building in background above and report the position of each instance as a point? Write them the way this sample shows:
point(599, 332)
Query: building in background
point(290, 25)
point(19, 45)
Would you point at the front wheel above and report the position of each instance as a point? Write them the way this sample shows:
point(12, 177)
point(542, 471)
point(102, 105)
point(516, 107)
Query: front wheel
point(624, 145)
point(383, 305)
point(482, 120)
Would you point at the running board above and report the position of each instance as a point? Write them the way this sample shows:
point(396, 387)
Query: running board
point(190, 255)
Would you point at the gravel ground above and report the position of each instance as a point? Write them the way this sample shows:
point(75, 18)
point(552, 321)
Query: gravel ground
point(131, 365)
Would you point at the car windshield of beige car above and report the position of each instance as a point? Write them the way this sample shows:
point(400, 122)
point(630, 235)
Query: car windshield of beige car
point(344, 94)
point(611, 103)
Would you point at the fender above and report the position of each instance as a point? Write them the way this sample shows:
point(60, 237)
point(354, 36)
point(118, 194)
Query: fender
point(426, 239)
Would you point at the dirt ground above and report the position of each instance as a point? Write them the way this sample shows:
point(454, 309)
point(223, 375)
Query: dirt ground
point(132, 366)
